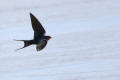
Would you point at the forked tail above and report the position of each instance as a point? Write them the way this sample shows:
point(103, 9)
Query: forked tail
point(26, 43)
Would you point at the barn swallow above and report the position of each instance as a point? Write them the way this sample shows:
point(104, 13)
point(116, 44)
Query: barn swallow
point(40, 39)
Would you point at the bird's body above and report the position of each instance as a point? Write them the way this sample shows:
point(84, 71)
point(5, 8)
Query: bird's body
point(40, 40)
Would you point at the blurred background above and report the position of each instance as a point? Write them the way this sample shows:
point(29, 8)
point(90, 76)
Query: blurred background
point(84, 46)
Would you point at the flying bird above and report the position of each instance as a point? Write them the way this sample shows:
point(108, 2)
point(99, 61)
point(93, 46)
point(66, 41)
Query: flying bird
point(40, 39)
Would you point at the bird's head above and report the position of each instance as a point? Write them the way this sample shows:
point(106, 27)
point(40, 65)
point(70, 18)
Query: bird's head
point(48, 37)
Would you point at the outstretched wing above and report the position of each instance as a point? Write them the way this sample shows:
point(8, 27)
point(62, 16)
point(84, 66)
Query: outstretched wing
point(41, 45)
point(37, 27)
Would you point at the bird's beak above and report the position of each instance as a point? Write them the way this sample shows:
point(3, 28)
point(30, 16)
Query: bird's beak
point(49, 38)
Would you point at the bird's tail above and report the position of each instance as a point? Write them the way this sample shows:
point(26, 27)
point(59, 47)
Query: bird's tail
point(26, 43)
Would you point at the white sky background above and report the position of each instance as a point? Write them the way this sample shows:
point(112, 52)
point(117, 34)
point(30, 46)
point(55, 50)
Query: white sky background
point(85, 43)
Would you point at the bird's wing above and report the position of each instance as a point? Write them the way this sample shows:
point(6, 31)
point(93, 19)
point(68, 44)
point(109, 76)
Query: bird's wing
point(37, 27)
point(41, 45)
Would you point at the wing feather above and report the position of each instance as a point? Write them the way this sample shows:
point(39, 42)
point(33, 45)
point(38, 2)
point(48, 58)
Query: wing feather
point(41, 45)
point(37, 26)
